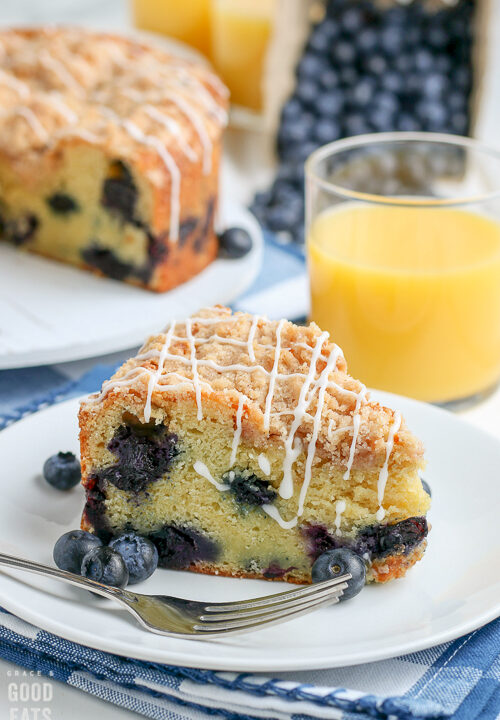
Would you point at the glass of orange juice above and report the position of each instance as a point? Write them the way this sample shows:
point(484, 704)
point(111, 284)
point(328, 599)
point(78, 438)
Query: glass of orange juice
point(403, 245)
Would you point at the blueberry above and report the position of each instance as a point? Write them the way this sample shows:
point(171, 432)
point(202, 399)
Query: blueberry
point(391, 40)
point(348, 76)
point(326, 130)
point(434, 84)
point(376, 64)
point(307, 91)
point(403, 63)
point(106, 261)
point(321, 39)
point(401, 537)
point(62, 471)
point(334, 563)
point(284, 192)
point(292, 172)
point(248, 489)
point(119, 192)
point(139, 554)
point(386, 101)
point(424, 60)
point(283, 218)
point(71, 548)
point(433, 114)
point(426, 487)
point(144, 454)
point(459, 123)
point(62, 203)
point(330, 104)
point(367, 40)
point(180, 547)
point(329, 79)
point(437, 37)
point(310, 66)
point(296, 131)
point(355, 124)
point(362, 92)
point(381, 120)
point(352, 20)
point(292, 109)
point(235, 242)
point(392, 81)
point(343, 52)
point(462, 78)
point(105, 565)
point(456, 100)
point(407, 123)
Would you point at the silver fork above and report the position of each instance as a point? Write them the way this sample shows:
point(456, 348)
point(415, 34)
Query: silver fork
point(177, 617)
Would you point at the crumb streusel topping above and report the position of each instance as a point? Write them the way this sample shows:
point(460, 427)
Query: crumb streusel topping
point(291, 378)
point(104, 89)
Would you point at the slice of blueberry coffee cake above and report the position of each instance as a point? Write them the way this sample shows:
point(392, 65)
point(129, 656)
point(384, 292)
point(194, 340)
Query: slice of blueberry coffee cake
point(109, 154)
point(241, 447)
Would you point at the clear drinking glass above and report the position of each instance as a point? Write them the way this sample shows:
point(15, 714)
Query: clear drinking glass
point(403, 245)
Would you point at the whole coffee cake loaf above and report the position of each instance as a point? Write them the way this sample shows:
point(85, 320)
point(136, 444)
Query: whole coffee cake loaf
point(109, 154)
point(241, 447)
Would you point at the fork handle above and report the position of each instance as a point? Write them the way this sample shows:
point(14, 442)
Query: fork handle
point(45, 570)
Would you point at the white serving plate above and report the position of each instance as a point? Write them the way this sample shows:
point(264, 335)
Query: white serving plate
point(51, 312)
point(455, 589)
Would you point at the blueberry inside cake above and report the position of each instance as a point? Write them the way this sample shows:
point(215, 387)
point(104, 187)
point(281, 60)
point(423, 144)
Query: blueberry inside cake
point(109, 154)
point(242, 447)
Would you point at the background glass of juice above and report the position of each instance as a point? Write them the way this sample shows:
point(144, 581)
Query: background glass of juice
point(404, 261)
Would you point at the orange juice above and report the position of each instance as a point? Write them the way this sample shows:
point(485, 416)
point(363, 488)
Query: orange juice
point(241, 30)
point(412, 296)
point(186, 21)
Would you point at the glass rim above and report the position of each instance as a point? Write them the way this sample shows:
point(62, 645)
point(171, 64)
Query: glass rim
point(458, 141)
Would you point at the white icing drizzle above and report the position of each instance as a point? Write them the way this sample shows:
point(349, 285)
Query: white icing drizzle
point(264, 464)
point(187, 109)
point(286, 486)
point(273, 512)
point(338, 431)
point(32, 120)
point(272, 376)
point(331, 364)
point(251, 337)
point(61, 107)
point(194, 368)
point(153, 380)
point(201, 469)
point(340, 507)
point(173, 127)
point(237, 432)
point(384, 472)
point(62, 72)
point(21, 88)
point(356, 422)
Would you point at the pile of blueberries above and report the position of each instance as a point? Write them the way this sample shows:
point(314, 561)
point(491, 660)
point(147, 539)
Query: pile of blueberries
point(367, 69)
point(127, 560)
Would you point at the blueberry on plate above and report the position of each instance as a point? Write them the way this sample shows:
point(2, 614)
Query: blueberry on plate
point(62, 471)
point(426, 487)
point(334, 563)
point(71, 548)
point(105, 565)
point(139, 554)
point(234, 243)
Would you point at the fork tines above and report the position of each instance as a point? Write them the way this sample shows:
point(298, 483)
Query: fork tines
point(221, 618)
